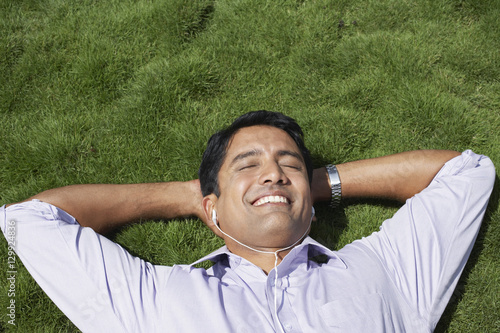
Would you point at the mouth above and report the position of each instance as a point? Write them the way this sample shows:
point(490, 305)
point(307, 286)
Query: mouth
point(271, 199)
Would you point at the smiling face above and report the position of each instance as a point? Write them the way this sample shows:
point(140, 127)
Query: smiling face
point(264, 197)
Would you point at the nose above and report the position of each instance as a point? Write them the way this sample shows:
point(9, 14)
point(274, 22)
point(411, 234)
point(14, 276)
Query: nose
point(272, 173)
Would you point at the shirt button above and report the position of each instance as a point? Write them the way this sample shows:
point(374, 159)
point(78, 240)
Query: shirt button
point(287, 327)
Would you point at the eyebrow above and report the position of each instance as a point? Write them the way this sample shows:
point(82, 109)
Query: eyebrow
point(291, 153)
point(242, 156)
point(255, 152)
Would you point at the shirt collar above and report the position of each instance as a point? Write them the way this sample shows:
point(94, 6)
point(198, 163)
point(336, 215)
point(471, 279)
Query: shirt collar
point(215, 256)
point(309, 248)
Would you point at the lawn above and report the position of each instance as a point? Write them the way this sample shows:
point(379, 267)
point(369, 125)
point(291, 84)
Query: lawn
point(130, 91)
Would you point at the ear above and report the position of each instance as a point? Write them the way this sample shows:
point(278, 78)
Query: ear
point(208, 204)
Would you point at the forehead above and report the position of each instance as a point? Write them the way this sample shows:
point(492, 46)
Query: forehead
point(261, 138)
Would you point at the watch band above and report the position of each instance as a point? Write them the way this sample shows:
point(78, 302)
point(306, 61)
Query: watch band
point(334, 178)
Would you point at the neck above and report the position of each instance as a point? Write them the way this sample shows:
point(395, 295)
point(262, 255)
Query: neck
point(262, 254)
point(266, 260)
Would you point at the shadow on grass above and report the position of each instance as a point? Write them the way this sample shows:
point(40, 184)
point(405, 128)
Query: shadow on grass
point(332, 222)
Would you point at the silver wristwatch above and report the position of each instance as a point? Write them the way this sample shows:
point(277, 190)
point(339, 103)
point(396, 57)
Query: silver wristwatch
point(334, 178)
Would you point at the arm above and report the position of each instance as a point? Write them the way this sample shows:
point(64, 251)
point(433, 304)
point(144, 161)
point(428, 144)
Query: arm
point(424, 247)
point(110, 290)
point(104, 207)
point(396, 177)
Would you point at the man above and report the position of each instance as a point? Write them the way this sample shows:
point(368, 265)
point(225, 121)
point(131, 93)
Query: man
point(257, 191)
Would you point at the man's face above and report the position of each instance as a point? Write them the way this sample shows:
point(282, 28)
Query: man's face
point(265, 199)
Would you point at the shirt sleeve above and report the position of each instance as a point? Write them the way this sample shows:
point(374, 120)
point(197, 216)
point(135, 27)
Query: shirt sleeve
point(425, 246)
point(98, 285)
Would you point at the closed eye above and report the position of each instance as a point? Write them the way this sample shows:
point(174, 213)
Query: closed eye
point(290, 159)
point(293, 167)
point(247, 167)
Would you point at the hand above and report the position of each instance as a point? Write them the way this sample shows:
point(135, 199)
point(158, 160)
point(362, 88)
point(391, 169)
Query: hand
point(197, 197)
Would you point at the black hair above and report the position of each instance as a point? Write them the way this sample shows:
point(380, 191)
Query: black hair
point(217, 145)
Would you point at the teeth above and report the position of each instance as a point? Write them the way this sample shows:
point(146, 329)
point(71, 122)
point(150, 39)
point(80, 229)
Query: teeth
point(271, 199)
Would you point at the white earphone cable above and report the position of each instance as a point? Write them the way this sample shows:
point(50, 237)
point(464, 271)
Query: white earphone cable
point(276, 258)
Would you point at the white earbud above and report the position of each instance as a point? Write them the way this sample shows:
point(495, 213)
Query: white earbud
point(214, 216)
point(312, 212)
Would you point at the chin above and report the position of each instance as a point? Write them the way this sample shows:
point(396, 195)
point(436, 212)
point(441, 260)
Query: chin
point(282, 229)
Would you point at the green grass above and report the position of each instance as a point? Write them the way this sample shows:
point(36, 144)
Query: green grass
point(129, 91)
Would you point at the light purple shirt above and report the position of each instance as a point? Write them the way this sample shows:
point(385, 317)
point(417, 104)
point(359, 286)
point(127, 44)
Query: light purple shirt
point(398, 279)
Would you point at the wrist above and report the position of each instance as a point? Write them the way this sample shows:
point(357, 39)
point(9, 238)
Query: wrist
point(320, 186)
point(194, 202)
point(335, 185)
